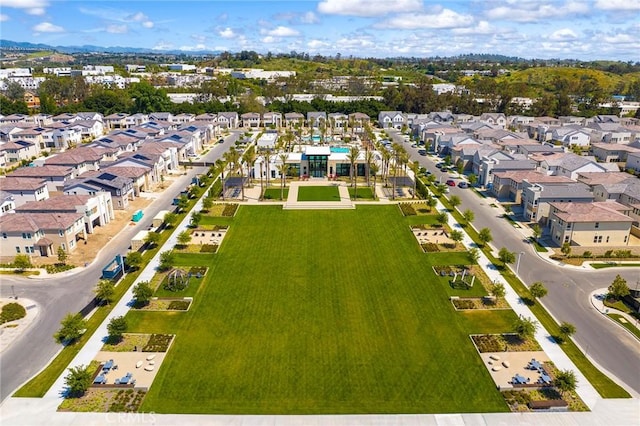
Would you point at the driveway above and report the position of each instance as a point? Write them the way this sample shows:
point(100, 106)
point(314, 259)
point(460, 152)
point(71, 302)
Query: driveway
point(73, 290)
point(607, 344)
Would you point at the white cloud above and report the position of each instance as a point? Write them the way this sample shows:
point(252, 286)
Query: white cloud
point(483, 27)
point(618, 4)
point(446, 18)
point(47, 27)
point(283, 32)
point(309, 18)
point(162, 45)
point(137, 17)
point(117, 29)
point(197, 47)
point(565, 34)
point(32, 7)
point(269, 39)
point(317, 44)
point(367, 8)
point(621, 39)
point(147, 24)
point(3, 17)
point(227, 33)
point(532, 12)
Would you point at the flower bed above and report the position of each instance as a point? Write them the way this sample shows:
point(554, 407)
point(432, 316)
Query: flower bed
point(166, 304)
point(158, 343)
point(479, 303)
point(128, 343)
point(504, 343)
point(230, 210)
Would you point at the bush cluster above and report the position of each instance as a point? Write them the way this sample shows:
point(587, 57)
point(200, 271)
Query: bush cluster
point(158, 343)
point(126, 401)
point(230, 210)
point(179, 305)
point(407, 209)
point(12, 312)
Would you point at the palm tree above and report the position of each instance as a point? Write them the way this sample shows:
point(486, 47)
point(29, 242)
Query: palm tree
point(368, 159)
point(249, 159)
point(220, 165)
point(352, 156)
point(266, 154)
point(374, 168)
point(261, 184)
point(386, 158)
point(283, 168)
point(415, 168)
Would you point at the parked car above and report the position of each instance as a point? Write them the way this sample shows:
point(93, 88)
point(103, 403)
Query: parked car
point(422, 152)
point(463, 184)
point(440, 165)
point(451, 182)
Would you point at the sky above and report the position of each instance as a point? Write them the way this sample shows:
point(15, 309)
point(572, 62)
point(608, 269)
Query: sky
point(545, 29)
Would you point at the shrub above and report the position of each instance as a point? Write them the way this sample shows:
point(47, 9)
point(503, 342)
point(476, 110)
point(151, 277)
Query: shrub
point(623, 253)
point(489, 343)
point(587, 253)
point(463, 304)
point(608, 253)
point(407, 209)
point(208, 248)
point(179, 305)
point(158, 343)
point(230, 210)
point(430, 247)
point(12, 312)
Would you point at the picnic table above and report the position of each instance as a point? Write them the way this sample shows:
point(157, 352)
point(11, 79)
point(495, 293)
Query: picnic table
point(124, 380)
point(519, 380)
point(545, 379)
point(107, 365)
point(534, 365)
point(100, 380)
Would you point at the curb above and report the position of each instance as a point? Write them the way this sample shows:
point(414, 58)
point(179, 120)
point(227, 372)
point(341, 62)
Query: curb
point(610, 310)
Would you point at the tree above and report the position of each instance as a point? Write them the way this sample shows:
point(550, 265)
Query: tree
point(104, 291)
point(62, 255)
point(207, 203)
point(184, 238)
point(116, 328)
point(508, 209)
point(72, 328)
point(374, 169)
point(472, 179)
point(566, 249)
point(525, 328)
point(565, 381)
point(133, 260)
point(283, 169)
point(537, 231)
point(456, 236)
point(166, 261)
point(170, 219)
point(484, 236)
point(352, 156)
point(474, 254)
point(196, 217)
point(455, 201)
point(432, 202)
point(152, 239)
point(538, 290)
point(498, 290)
point(618, 288)
point(442, 218)
point(506, 256)
point(142, 292)
point(78, 381)
point(22, 262)
point(566, 330)
point(468, 215)
point(415, 169)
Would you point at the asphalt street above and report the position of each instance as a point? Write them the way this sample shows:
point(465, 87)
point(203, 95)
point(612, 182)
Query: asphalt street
point(70, 292)
point(610, 346)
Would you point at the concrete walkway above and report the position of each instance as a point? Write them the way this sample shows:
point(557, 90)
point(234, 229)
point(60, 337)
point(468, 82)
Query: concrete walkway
point(597, 300)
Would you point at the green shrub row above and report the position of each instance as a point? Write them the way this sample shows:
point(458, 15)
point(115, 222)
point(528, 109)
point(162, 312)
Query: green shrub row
point(12, 312)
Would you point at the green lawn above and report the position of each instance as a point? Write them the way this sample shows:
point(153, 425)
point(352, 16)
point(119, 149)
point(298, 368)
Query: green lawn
point(274, 194)
point(626, 324)
point(318, 312)
point(613, 265)
point(318, 193)
point(363, 193)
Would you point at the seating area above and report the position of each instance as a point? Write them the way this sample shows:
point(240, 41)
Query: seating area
point(127, 379)
point(100, 380)
point(520, 380)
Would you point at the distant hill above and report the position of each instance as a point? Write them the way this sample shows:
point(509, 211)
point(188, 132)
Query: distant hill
point(19, 45)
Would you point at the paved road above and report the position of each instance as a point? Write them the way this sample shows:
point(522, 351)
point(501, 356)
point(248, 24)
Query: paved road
point(70, 292)
point(568, 299)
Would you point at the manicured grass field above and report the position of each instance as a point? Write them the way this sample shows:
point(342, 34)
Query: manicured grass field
point(318, 193)
point(363, 193)
point(274, 194)
point(322, 312)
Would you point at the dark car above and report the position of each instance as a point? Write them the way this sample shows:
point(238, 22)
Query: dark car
point(422, 152)
point(463, 184)
point(451, 182)
point(440, 165)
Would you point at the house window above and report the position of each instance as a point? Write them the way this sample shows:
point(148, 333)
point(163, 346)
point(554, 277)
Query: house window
point(17, 249)
point(597, 225)
point(61, 233)
point(4, 235)
point(625, 238)
point(597, 239)
point(64, 247)
point(566, 238)
point(607, 238)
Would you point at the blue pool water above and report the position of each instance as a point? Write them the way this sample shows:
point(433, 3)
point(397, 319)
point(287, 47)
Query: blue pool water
point(315, 138)
point(339, 149)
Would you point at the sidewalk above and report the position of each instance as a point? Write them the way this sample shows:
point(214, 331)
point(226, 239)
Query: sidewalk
point(597, 300)
point(584, 389)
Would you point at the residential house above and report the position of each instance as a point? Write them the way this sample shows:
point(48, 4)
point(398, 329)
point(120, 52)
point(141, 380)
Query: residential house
point(494, 119)
point(82, 159)
point(136, 119)
point(568, 164)
point(183, 118)
point(612, 153)
point(117, 120)
point(272, 120)
point(633, 161)
point(33, 134)
point(165, 155)
point(141, 173)
point(626, 192)
point(88, 129)
point(316, 119)
point(7, 203)
point(61, 136)
point(487, 162)
point(337, 122)
point(612, 133)
point(55, 176)
point(537, 196)
point(250, 120)
point(597, 224)
point(31, 99)
point(391, 119)
point(19, 150)
point(358, 121)
point(162, 117)
point(25, 189)
point(294, 119)
point(40, 234)
point(120, 188)
point(228, 120)
point(507, 185)
point(96, 209)
point(569, 136)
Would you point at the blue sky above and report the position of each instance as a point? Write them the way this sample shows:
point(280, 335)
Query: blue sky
point(580, 29)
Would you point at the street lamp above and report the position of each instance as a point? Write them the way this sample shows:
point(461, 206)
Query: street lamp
point(518, 262)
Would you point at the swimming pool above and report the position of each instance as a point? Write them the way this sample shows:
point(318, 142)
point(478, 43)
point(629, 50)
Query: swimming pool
point(315, 138)
point(339, 149)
